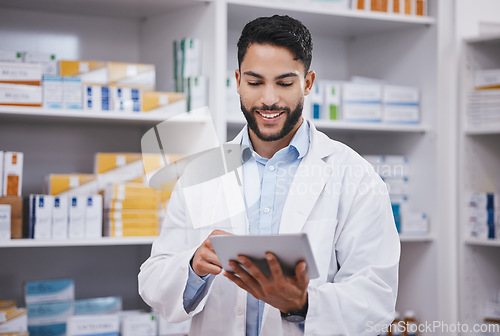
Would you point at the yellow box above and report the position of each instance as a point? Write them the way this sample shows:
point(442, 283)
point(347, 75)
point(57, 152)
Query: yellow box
point(14, 321)
point(152, 100)
point(8, 304)
point(58, 183)
point(111, 73)
point(128, 215)
point(149, 203)
point(134, 232)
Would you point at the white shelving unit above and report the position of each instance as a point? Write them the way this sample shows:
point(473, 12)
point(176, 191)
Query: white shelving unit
point(398, 49)
point(479, 155)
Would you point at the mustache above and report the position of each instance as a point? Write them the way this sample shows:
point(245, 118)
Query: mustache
point(273, 107)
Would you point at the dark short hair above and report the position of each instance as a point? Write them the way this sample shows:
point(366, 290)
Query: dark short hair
point(281, 31)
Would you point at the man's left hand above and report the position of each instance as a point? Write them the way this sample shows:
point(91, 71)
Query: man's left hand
point(282, 292)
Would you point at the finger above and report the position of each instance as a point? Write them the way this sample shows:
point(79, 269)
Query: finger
point(252, 269)
point(301, 274)
point(245, 277)
point(274, 266)
point(238, 282)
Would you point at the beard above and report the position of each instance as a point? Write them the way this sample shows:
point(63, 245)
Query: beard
point(292, 118)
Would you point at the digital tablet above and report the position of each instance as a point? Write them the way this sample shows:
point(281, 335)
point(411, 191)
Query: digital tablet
point(290, 249)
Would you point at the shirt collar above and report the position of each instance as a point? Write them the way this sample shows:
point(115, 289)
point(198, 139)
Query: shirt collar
point(299, 142)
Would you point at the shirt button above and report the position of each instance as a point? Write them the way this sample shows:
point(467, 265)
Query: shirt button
point(186, 299)
point(266, 210)
point(238, 310)
point(271, 168)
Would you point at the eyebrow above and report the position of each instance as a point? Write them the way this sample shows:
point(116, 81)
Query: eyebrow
point(286, 75)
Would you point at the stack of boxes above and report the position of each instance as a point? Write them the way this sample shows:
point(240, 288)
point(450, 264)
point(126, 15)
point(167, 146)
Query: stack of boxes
point(365, 102)
point(395, 172)
point(484, 101)
point(14, 321)
point(11, 202)
point(187, 72)
point(38, 79)
point(405, 7)
point(482, 221)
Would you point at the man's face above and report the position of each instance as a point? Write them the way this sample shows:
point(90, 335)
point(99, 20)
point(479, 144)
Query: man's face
point(272, 87)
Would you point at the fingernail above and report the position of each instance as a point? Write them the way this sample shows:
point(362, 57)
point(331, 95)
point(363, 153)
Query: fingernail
point(241, 260)
point(269, 257)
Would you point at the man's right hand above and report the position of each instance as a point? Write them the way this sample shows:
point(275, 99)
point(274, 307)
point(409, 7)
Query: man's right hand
point(205, 260)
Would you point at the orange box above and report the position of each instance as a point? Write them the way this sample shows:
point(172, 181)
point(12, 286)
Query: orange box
point(16, 215)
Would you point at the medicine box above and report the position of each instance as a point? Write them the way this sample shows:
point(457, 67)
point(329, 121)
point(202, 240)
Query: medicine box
point(2, 154)
point(196, 90)
point(153, 101)
point(331, 100)
point(77, 207)
point(47, 61)
point(12, 173)
point(17, 205)
point(20, 73)
point(168, 328)
point(8, 304)
point(111, 73)
point(97, 306)
point(415, 223)
point(60, 218)
point(42, 216)
point(316, 100)
point(13, 321)
point(144, 324)
point(401, 104)
point(5, 222)
point(487, 79)
point(52, 92)
point(362, 102)
point(126, 99)
point(49, 318)
point(59, 183)
point(93, 216)
point(20, 95)
point(72, 93)
point(11, 56)
point(49, 291)
point(94, 325)
point(97, 98)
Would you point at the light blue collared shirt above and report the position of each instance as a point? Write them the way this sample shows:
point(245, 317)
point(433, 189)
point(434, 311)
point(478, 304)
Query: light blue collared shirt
point(264, 203)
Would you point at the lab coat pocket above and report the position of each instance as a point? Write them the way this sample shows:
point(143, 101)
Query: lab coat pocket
point(321, 235)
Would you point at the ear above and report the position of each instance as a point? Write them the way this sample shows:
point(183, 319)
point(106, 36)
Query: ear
point(237, 76)
point(309, 81)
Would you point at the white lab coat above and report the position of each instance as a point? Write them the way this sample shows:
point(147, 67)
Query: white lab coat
point(343, 205)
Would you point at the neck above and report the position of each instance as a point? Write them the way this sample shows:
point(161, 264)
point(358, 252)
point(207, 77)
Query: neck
point(267, 149)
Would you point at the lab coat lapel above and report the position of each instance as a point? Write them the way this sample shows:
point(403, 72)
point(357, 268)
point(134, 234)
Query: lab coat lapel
point(308, 183)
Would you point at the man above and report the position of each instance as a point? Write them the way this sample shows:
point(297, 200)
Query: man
point(295, 179)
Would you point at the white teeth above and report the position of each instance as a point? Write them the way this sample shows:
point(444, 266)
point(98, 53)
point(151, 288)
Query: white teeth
point(270, 116)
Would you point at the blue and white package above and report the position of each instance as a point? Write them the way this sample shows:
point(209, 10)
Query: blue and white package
point(49, 291)
point(98, 306)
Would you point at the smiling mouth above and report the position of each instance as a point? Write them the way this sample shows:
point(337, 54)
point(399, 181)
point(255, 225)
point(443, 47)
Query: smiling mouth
point(271, 115)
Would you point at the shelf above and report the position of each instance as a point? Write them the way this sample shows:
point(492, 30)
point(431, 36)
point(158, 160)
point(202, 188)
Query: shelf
point(36, 113)
point(487, 39)
point(323, 19)
point(104, 241)
point(482, 242)
point(483, 130)
point(415, 239)
point(238, 120)
point(136, 9)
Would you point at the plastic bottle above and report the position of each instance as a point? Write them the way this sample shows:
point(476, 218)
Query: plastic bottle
point(411, 326)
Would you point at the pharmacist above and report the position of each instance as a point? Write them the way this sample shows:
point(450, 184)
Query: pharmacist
point(302, 182)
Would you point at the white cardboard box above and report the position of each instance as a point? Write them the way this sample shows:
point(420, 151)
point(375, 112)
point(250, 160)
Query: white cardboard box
point(42, 225)
point(21, 95)
point(52, 92)
point(401, 104)
point(60, 218)
point(12, 173)
point(94, 325)
point(93, 216)
point(5, 210)
point(72, 93)
point(20, 73)
point(77, 206)
point(362, 102)
point(11, 56)
point(144, 324)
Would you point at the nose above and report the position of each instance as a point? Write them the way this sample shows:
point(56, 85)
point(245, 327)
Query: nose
point(270, 96)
